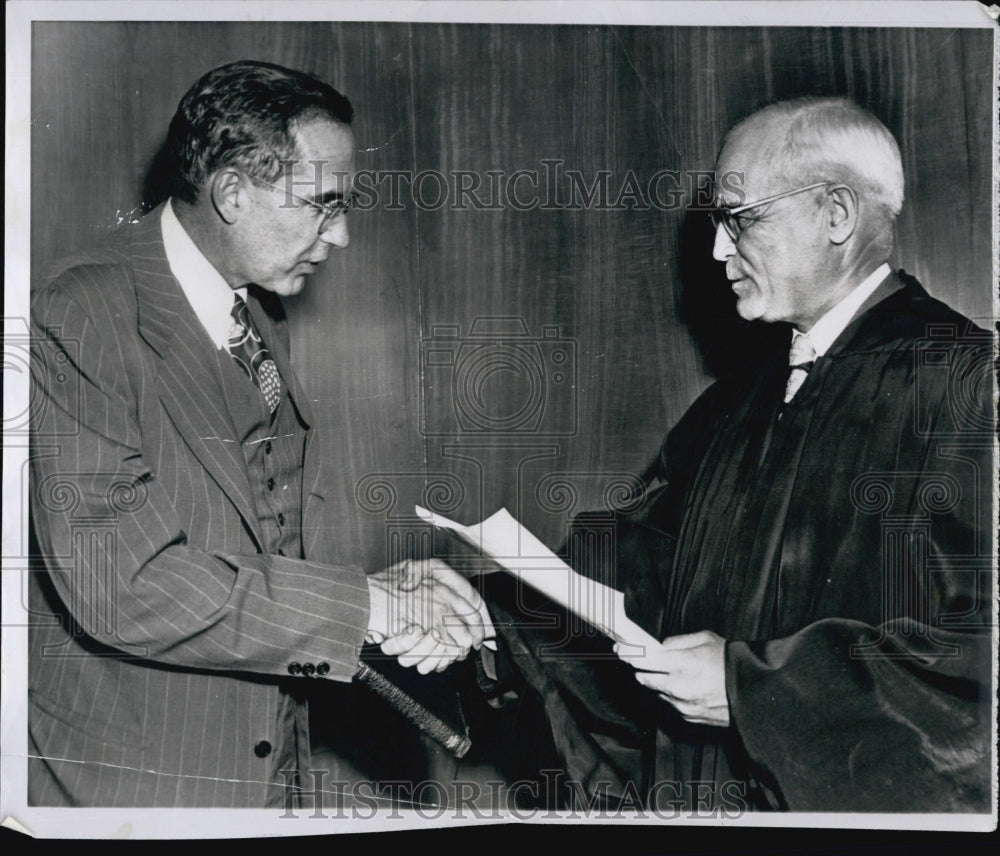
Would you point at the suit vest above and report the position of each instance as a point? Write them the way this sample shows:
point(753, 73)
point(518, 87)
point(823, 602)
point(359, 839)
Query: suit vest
point(273, 447)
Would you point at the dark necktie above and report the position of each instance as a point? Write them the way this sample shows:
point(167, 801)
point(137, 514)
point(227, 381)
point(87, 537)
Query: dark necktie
point(251, 354)
point(800, 360)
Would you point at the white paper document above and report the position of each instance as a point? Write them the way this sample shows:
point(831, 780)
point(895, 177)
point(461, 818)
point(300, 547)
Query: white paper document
point(501, 538)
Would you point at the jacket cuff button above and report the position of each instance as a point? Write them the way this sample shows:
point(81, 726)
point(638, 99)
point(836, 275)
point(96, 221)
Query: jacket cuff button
point(294, 669)
point(323, 669)
point(308, 670)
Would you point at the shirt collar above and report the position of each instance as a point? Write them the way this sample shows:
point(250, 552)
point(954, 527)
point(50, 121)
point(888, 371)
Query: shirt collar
point(825, 331)
point(210, 296)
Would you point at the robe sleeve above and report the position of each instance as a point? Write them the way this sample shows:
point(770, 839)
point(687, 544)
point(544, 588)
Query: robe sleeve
point(903, 726)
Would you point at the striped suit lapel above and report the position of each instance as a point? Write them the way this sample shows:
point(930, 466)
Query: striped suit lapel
point(188, 388)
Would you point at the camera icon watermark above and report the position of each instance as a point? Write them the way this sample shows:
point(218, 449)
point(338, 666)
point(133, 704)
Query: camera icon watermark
point(498, 379)
point(954, 381)
point(38, 374)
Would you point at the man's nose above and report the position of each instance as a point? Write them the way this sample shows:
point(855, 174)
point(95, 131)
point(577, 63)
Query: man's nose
point(336, 233)
point(724, 247)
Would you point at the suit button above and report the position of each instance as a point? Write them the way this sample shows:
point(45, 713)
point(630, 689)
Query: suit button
point(281, 519)
point(270, 484)
point(308, 670)
point(323, 669)
point(262, 749)
point(294, 669)
point(267, 448)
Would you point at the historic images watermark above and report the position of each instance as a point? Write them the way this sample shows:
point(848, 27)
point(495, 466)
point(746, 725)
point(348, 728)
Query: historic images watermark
point(525, 799)
point(548, 186)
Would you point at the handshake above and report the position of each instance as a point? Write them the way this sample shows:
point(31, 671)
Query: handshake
point(426, 615)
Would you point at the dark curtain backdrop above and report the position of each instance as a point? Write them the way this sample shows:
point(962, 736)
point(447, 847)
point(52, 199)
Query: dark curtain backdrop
point(623, 317)
point(632, 294)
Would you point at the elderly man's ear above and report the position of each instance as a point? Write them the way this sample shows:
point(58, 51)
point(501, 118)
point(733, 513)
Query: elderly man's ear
point(841, 213)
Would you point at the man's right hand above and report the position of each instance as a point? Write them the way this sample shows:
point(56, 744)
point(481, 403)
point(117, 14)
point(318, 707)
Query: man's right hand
point(426, 614)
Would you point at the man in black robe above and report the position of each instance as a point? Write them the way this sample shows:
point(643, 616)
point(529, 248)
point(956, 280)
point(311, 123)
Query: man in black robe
point(818, 552)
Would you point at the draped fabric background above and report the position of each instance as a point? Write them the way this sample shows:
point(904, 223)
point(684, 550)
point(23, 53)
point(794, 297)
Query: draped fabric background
point(623, 316)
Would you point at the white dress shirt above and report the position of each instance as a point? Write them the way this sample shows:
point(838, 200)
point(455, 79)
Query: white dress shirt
point(825, 331)
point(210, 296)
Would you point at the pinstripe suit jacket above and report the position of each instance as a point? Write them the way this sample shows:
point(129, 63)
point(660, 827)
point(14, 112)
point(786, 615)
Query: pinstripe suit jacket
point(163, 679)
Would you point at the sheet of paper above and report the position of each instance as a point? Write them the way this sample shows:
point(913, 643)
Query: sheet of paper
point(501, 538)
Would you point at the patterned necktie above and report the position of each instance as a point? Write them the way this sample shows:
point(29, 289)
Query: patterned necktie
point(800, 360)
point(252, 355)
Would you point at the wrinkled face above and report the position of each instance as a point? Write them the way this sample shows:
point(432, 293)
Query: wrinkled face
point(775, 265)
point(278, 243)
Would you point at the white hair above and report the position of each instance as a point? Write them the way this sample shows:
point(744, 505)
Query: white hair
point(833, 139)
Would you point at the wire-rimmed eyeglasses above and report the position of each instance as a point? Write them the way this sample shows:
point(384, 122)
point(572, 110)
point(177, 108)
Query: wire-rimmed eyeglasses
point(330, 211)
point(728, 218)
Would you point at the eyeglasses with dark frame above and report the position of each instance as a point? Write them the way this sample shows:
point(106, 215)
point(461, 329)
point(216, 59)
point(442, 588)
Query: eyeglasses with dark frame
point(727, 217)
point(330, 210)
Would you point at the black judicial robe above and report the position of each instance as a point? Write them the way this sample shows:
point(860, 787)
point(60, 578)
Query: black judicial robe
point(843, 550)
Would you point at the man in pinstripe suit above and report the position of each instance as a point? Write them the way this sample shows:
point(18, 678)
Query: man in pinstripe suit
point(185, 597)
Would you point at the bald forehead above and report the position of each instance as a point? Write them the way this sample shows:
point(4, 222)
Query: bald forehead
point(749, 158)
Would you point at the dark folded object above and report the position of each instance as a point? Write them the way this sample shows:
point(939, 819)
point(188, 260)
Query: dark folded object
point(601, 720)
point(429, 701)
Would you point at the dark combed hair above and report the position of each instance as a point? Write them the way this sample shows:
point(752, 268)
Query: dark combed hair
point(243, 114)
